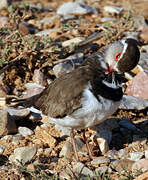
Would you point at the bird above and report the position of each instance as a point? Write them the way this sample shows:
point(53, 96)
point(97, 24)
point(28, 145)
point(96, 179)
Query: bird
point(92, 92)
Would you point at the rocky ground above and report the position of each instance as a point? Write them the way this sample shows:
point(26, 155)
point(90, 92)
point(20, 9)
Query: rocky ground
point(39, 41)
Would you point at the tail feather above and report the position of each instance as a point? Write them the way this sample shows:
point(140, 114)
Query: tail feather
point(25, 102)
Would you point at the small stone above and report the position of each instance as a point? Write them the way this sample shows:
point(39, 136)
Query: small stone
point(103, 145)
point(67, 149)
point(31, 167)
point(7, 138)
point(138, 86)
point(38, 77)
point(123, 153)
point(135, 156)
point(75, 8)
point(141, 165)
point(3, 21)
point(2, 148)
point(47, 32)
point(143, 62)
point(105, 19)
point(24, 131)
point(16, 138)
point(23, 154)
point(47, 150)
point(112, 154)
point(146, 154)
point(113, 9)
point(144, 36)
point(80, 167)
point(131, 102)
point(103, 169)
point(122, 165)
point(100, 160)
point(76, 40)
point(3, 4)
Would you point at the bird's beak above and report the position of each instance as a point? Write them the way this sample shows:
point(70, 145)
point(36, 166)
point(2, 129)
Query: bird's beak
point(110, 69)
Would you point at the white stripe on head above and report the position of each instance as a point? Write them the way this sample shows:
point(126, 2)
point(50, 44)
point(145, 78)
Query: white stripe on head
point(124, 48)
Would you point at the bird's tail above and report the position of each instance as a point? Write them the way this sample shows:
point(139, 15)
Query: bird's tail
point(25, 102)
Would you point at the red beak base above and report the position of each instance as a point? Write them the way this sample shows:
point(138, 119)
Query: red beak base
point(110, 70)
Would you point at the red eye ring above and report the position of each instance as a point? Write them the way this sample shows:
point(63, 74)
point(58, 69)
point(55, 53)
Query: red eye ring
point(117, 56)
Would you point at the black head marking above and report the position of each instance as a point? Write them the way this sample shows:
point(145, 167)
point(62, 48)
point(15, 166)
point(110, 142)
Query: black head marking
point(130, 57)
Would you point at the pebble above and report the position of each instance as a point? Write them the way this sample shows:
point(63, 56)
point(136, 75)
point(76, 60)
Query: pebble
point(112, 154)
point(24, 131)
point(123, 153)
point(72, 41)
point(122, 165)
point(113, 9)
point(131, 102)
point(4, 21)
point(47, 32)
point(7, 138)
point(100, 160)
point(135, 156)
point(16, 138)
point(22, 154)
point(146, 154)
point(102, 169)
point(75, 8)
point(105, 19)
point(67, 148)
point(2, 148)
point(3, 4)
point(138, 86)
point(141, 165)
point(80, 167)
point(38, 77)
point(103, 145)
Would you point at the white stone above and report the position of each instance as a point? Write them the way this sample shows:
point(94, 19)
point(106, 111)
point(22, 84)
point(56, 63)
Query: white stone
point(113, 9)
point(80, 167)
point(135, 156)
point(100, 160)
point(24, 131)
point(22, 154)
point(3, 4)
point(2, 148)
point(146, 154)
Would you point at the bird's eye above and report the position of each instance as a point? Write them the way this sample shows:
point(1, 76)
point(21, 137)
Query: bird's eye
point(117, 56)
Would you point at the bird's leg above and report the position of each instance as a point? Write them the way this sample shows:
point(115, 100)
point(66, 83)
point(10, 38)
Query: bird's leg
point(74, 145)
point(87, 145)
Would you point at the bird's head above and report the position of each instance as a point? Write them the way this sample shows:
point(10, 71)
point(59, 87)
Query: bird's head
point(122, 56)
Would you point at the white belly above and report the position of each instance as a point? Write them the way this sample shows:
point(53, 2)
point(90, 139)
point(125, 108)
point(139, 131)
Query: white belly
point(93, 112)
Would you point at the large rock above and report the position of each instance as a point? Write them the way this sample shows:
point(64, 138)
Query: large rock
point(133, 103)
point(138, 86)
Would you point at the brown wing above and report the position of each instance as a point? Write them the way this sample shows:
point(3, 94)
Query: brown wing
point(63, 96)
